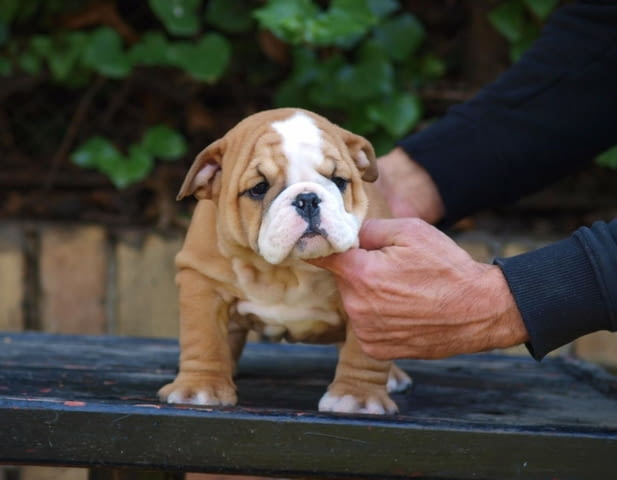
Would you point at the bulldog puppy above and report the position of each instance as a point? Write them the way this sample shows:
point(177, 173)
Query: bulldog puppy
point(281, 187)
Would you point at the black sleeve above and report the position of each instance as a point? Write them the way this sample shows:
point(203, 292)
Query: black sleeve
point(544, 118)
point(567, 289)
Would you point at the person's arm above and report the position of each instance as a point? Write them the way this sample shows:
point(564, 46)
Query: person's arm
point(411, 292)
point(549, 114)
point(546, 117)
point(567, 289)
point(407, 289)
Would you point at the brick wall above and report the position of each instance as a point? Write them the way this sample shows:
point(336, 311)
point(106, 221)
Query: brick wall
point(88, 279)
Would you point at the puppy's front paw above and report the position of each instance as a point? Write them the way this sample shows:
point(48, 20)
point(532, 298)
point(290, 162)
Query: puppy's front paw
point(346, 399)
point(199, 390)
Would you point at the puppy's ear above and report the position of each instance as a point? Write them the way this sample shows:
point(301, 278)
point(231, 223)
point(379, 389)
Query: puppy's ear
point(204, 173)
point(363, 153)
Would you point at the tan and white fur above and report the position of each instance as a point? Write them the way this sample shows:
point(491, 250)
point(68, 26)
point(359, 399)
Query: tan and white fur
point(281, 187)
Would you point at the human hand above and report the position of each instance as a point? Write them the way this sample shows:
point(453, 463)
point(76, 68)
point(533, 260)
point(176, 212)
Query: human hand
point(412, 292)
point(408, 189)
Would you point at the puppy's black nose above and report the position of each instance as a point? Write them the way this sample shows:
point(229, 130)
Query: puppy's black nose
point(307, 205)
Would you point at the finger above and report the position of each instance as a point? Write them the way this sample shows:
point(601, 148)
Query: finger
point(379, 233)
point(329, 263)
point(338, 263)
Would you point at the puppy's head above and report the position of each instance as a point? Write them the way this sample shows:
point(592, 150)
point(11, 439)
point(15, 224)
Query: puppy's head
point(287, 184)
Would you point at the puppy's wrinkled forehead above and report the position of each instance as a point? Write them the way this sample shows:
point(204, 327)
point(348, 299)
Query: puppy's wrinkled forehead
point(302, 145)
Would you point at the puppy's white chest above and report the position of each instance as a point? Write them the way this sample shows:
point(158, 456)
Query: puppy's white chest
point(298, 302)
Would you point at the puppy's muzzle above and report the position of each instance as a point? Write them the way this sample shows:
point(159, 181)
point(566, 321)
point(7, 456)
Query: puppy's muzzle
point(307, 206)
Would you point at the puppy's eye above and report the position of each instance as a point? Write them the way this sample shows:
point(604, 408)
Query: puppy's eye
point(340, 182)
point(258, 191)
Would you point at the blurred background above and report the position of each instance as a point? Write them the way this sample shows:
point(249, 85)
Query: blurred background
point(104, 104)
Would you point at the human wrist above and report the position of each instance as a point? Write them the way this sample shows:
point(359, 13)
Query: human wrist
point(408, 188)
point(508, 328)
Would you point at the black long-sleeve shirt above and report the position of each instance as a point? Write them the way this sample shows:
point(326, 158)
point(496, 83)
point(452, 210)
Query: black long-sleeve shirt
point(546, 117)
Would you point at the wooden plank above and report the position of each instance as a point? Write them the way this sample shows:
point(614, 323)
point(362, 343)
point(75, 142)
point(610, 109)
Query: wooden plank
point(90, 401)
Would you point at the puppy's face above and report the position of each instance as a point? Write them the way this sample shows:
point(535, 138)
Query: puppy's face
point(288, 184)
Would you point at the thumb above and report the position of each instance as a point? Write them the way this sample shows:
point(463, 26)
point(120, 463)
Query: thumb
point(379, 233)
point(338, 263)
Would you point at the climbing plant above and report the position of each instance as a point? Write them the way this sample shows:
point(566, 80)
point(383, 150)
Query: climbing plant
point(359, 61)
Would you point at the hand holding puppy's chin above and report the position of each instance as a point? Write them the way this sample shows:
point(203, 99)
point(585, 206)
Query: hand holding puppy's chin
point(416, 294)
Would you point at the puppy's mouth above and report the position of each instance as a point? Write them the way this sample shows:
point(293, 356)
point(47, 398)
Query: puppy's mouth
point(312, 244)
point(314, 230)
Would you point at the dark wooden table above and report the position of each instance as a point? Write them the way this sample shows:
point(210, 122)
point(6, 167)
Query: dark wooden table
point(91, 401)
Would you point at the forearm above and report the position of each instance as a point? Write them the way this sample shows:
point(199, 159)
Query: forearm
point(546, 117)
point(567, 289)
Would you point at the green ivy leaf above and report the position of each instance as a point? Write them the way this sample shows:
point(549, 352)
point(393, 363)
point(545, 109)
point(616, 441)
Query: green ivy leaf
point(65, 54)
point(528, 35)
point(41, 45)
point(325, 90)
point(365, 80)
point(306, 65)
point(150, 50)
point(508, 19)
point(62, 53)
point(61, 65)
point(164, 142)
point(206, 60)
point(358, 121)
point(397, 114)
point(104, 54)
point(30, 62)
point(95, 152)
point(372, 75)
point(608, 158)
point(400, 36)
point(286, 18)
point(233, 17)
point(179, 16)
point(179, 54)
point(124, 171)
point(541, 8)
point(307, 72)
point(213, 53)
point(100, 154)
point(345, 21)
